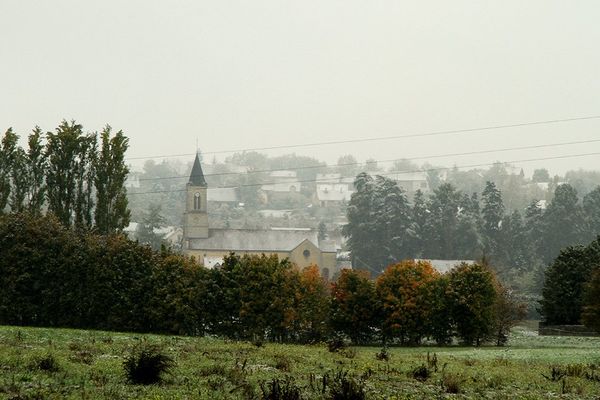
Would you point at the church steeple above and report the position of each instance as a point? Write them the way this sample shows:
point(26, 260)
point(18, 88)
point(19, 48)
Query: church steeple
point(195, 225)
point(197, 176)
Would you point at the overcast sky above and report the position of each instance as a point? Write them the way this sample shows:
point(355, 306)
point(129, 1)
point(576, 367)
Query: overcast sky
point(240, 74)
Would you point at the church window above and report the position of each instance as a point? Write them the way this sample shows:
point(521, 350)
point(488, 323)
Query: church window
point(196, 201)
point(306, 253)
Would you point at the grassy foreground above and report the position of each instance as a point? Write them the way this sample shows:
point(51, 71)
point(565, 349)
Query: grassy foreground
point(89, 365)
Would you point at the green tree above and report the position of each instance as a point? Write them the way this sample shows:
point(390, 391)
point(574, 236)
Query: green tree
point(68, 175)
point(471, 297)
point(540, 175)
point(151, 222)
point(36, 172)
point(442, 223)
point(492, 214)
point(591, 208)
point(111, 172)
point(7, 152)
point(591, 302)
point(563, 222)
point(565, 281)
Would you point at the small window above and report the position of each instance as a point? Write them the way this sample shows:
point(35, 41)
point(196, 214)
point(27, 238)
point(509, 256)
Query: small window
point(196, 201)
point(306, 253)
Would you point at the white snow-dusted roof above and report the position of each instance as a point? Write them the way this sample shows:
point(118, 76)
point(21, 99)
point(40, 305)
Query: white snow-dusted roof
point(444, 266)
point(223, 195)
point(255, 240)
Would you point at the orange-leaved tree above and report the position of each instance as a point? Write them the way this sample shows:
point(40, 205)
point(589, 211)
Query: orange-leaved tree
point(403, 290)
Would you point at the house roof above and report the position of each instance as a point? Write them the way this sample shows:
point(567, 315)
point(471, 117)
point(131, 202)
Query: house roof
point(223, 195)
point(197, 176)
point(444, 266)
point(255, 240)
point(333, 195)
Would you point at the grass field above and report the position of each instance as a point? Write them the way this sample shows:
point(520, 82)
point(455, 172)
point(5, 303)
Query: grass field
point(62, 363)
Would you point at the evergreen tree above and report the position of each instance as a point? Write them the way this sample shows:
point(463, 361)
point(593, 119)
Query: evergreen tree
point(19, 180)
point(111, 172)
point(591, 208)
point(442, 223)
point(563, 223)
point(492, 214)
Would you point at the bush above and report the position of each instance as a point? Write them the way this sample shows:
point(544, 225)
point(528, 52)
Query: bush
point(46, 363)
point(336, 344)
point(146, 364)
point(452, 383)
point(421, 373)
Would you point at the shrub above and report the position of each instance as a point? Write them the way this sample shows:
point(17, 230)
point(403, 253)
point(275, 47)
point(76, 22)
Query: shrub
point(336, 344)
point(451, 383)
point(146, 364)
point(421, 373)
point(283, 363)
point(383, 355)
point(46, 363)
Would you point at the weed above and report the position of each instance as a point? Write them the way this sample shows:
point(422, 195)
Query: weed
point(280, 390)
point(556, 374)
point(82, 356)
point(383, 355)
point(344, 387)
point(421, 373)
point(432, 362)
point(452, 383)
point(47, 363)
point(349, 352)
point(215, 369)
point(146, 364)
point(336, 344)
point(283, 363)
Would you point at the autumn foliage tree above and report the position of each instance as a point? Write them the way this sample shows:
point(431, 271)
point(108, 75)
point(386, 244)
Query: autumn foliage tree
point(403, 290)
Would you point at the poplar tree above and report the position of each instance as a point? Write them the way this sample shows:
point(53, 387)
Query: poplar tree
point(7, 151)
point(112, 213)
point(36, 170)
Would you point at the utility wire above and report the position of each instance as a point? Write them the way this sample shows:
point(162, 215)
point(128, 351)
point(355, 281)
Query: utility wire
point(390, 173)
point(539, 146)
point(483, 129)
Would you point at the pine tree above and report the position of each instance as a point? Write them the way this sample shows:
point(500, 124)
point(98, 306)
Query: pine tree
point(492, 214)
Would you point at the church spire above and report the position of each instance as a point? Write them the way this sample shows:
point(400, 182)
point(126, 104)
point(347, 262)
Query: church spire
point(197, 176)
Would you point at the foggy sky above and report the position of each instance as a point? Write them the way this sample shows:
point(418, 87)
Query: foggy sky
point(239, 74)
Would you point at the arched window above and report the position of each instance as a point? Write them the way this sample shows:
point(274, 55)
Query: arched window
point(196, 201)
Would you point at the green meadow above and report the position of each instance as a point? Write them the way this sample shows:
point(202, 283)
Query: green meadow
point(39, 363)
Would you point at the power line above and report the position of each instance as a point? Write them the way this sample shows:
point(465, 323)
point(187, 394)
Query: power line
point(483, 129)
point(539, 146)
point(388, 174)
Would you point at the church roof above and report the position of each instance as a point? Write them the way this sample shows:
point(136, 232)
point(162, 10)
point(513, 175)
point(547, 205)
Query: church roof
point(255, 240)
point(197, 176)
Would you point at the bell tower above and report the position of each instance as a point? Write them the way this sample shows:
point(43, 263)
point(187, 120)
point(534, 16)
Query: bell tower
point(195, 225)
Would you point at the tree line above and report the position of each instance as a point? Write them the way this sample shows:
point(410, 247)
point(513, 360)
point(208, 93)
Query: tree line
point(384, 227)
point(51, 275)
point(69, 174)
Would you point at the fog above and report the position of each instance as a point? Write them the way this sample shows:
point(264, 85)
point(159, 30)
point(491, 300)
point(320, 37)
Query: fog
point(232, 75)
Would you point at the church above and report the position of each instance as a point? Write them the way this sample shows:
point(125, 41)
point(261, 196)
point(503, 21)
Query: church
point(209, 246)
